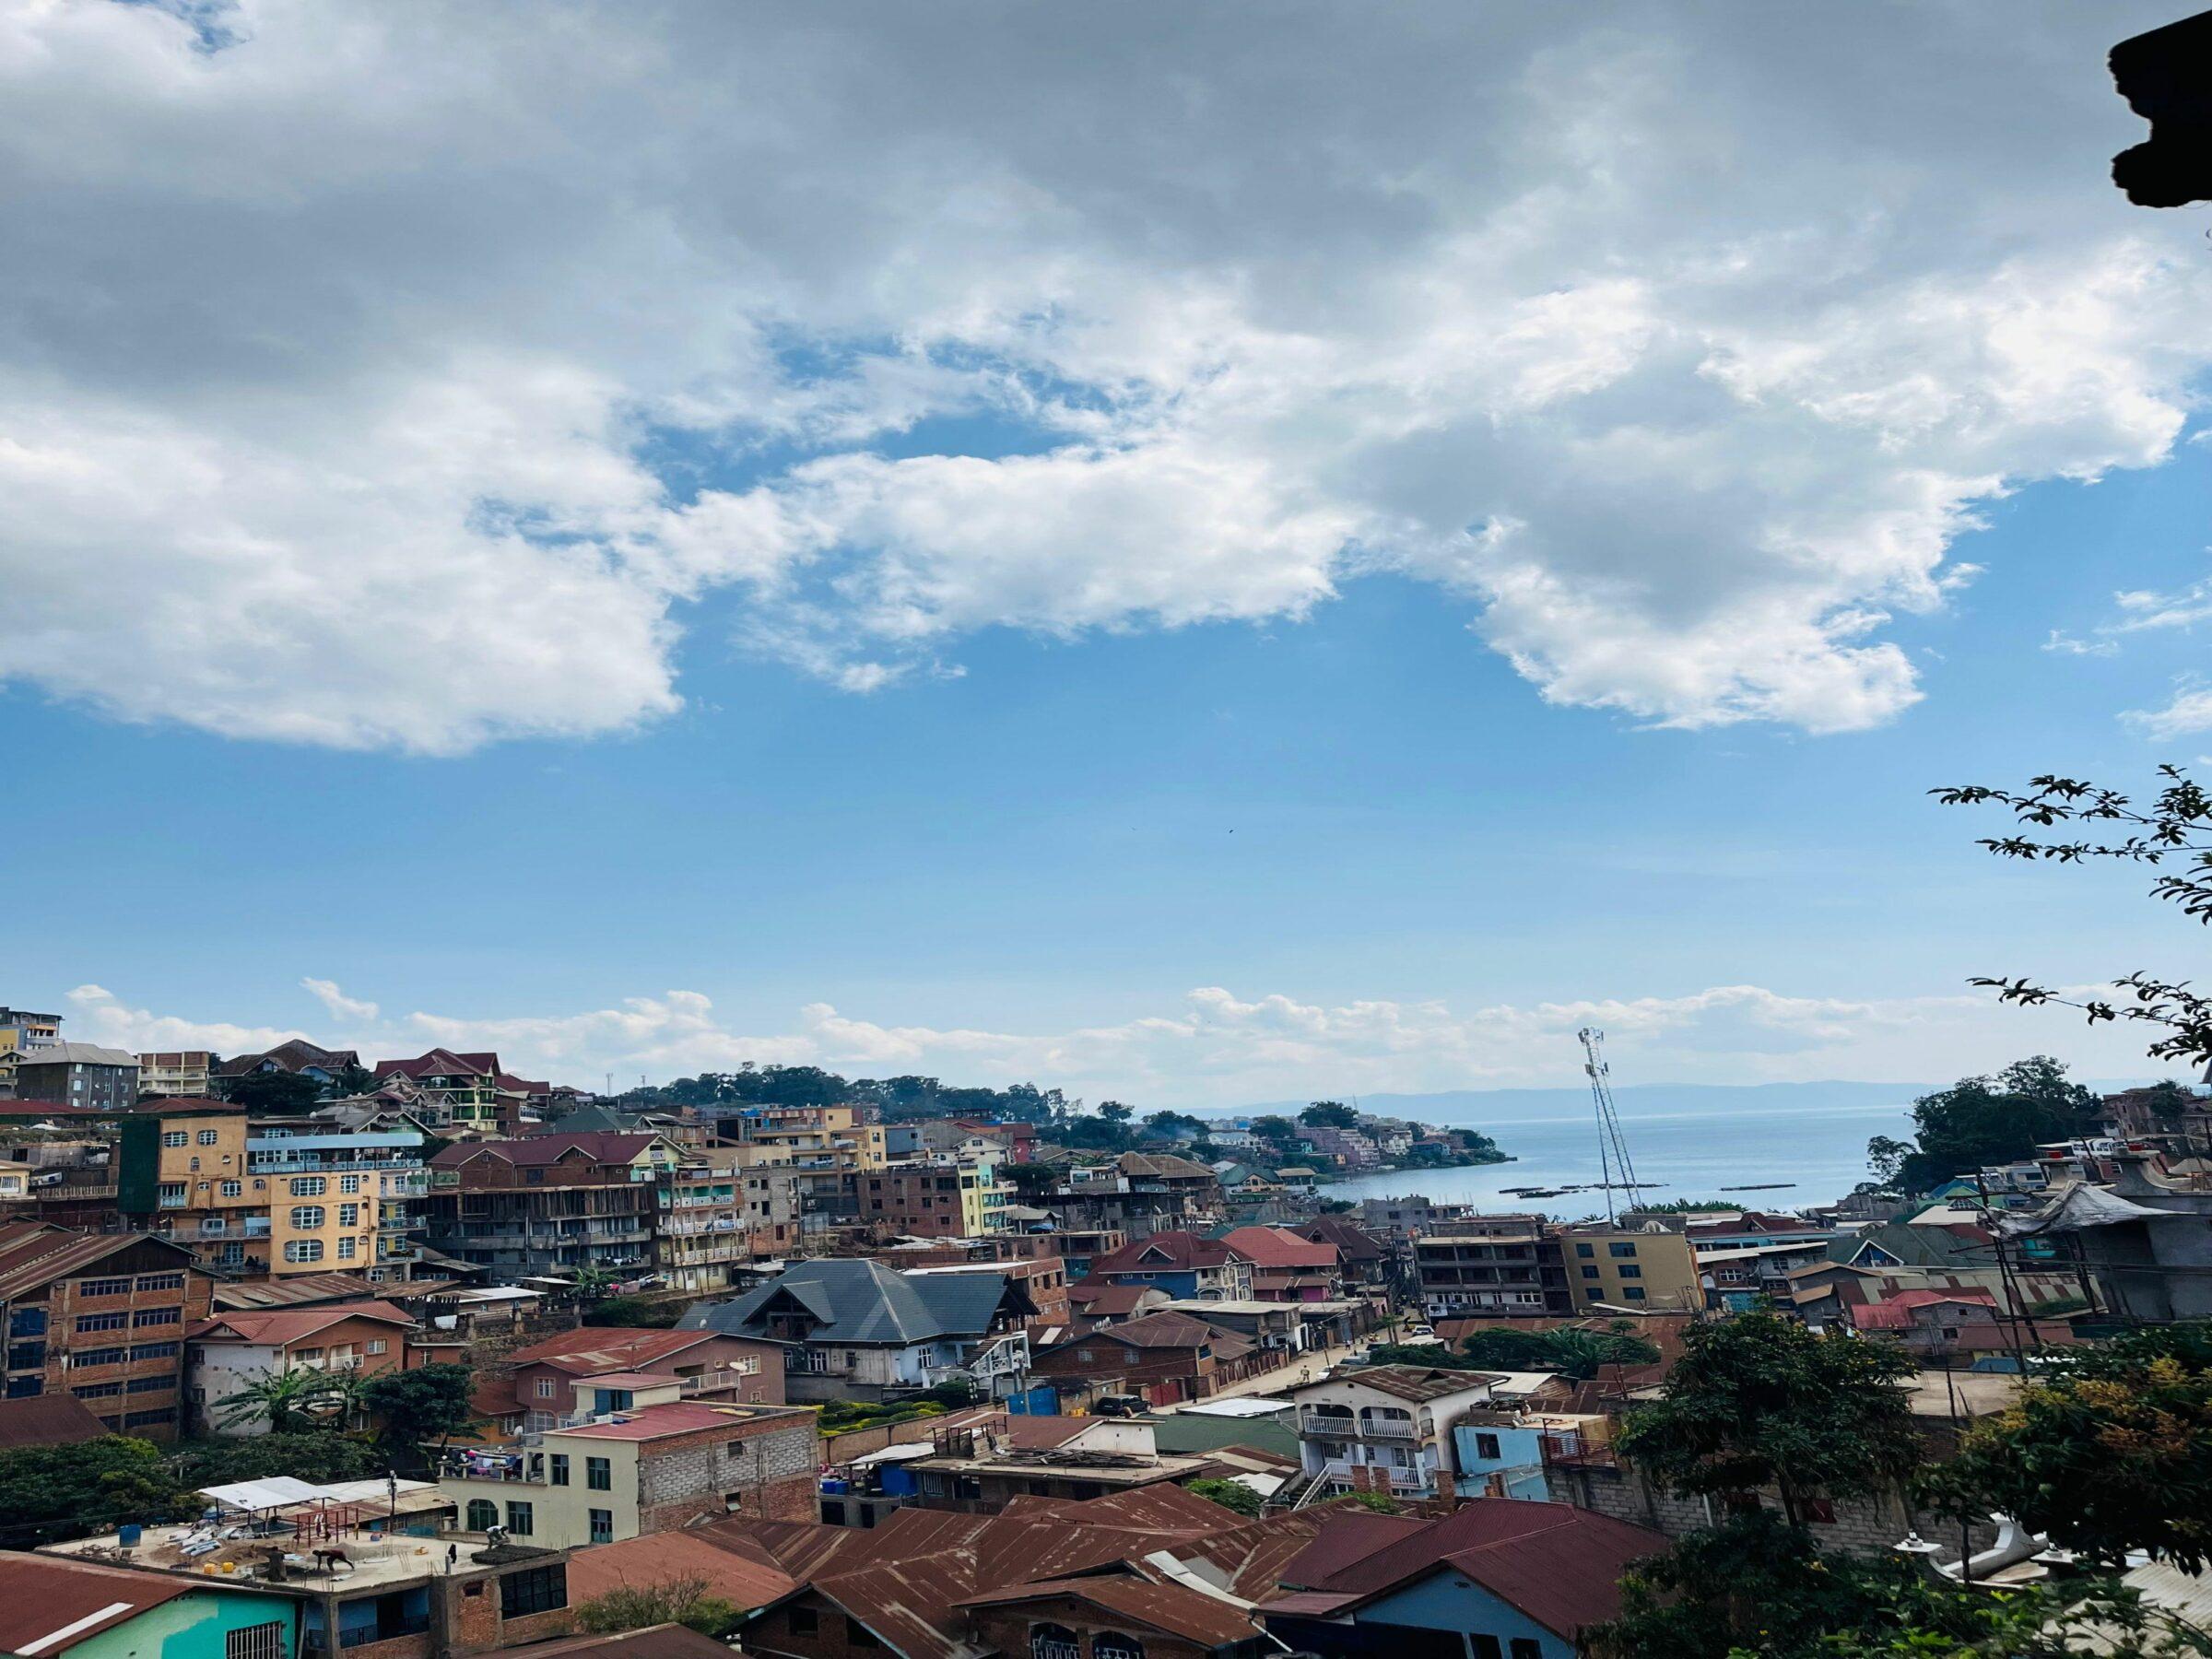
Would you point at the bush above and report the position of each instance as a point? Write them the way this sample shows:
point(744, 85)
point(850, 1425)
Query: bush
point(1230, 1494)
point(682, 1601)
point(633, 1311)
point(320, 1458)
point(1383, 1503)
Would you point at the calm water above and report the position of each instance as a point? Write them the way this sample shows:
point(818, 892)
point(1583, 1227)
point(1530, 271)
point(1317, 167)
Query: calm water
point(1690, 1154)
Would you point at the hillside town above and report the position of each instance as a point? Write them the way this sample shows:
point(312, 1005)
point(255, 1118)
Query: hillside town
point(419, 1355)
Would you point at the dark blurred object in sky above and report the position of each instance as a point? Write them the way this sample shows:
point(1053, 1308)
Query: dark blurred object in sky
point(2166, 76)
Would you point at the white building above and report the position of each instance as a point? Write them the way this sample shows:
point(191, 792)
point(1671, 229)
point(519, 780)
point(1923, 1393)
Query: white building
point(1386, 1428)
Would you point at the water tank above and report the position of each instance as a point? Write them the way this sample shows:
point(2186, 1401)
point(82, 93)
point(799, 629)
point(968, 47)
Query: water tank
point(129, 1533)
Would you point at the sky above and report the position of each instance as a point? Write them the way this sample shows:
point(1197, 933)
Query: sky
point(1190, 554)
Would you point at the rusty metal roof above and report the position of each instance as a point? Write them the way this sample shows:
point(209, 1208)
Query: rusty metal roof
point(49, 1604)
point(1173, 1608)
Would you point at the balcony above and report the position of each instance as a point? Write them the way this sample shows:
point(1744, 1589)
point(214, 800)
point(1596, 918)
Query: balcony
point(1337, 1425)
point(1413, 1481)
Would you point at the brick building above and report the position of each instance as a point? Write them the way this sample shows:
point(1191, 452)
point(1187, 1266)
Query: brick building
point(552, 1202)
point(538, 1383)
point(1168, 1356)
point(100, 1316)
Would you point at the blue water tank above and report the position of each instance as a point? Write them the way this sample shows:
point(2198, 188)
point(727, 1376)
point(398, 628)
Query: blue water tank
point(129, 1533)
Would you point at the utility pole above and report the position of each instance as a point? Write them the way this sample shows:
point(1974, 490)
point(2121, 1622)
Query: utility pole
point(1612, 1147)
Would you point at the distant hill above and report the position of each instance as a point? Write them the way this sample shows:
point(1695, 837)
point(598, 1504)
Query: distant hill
point(1477, 1107)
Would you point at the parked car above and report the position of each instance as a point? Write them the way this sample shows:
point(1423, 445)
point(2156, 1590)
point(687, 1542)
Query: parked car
point(1118, 1404)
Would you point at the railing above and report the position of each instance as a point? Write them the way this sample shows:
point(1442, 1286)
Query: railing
point(1333, 1425)
point(1404, 1481)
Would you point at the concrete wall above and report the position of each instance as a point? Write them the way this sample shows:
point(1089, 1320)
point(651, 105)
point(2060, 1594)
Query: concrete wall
point(193, 1626)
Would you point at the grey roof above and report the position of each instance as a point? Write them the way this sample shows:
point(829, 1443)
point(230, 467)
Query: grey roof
point(864, 1302)
point(77, 1054)
point(1915, 1246)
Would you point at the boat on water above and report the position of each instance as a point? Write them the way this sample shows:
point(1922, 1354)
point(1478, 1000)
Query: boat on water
point(1760, 1186)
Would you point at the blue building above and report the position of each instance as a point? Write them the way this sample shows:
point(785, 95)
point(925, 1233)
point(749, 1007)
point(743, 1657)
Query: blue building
point(1508, 1455)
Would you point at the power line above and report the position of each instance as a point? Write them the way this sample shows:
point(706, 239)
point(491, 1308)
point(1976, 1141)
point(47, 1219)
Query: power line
point(1612, 1147)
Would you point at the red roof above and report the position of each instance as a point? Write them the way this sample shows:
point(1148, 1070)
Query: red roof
point(599, 1350)
point(1100, 1299)
point(598, 1146)
point(1278, 1247)
point(735, 1576)
point(1173, 1608)
point(50, 1604)
point(55, 1419)
point(1162, 1252)
point(653, 1422)
point(280, 1327)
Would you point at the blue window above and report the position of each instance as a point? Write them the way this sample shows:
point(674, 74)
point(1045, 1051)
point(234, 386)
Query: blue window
point(26, 1321)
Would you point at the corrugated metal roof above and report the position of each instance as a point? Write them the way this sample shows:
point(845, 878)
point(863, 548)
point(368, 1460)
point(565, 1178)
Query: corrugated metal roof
point(736, 1577)
point(56, 1419)
point(864, 1302)
point(655, 1642)
point(48, 1604)
point(1171, 1608)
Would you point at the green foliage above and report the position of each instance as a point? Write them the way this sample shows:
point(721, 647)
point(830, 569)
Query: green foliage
point(1230, 1494)
point(1684, 1207)
point(1982, 1120)
point(1329, 1114)
point(1279, 1132)
point(289, 1401)
point(680, 1600)
point(1029, 1180)
point(1759, 1400)
point(1337, 1207)
point(275, 1093)
point(634, 1310)
point(1383, 1503)
point(1114, 1112)
point(843, 1416)
point(50, 1493)
point(1577, 1354)
point(321, 1456)
point(419, 1406)
point(2109, 1450)
point(899, 1099)
point(952, 1394)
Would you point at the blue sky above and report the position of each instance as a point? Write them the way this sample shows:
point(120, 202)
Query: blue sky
point(1086, 633)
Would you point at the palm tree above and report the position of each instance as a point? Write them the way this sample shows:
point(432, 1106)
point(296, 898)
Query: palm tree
point(294, 1398)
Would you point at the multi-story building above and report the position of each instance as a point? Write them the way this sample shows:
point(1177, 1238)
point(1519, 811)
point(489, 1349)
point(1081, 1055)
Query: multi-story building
point(469, 1093)
point(352, 1202)
point(553, 1203)
point(1649, 1269)
point(182, 1073)
point(1138, 1192)
point(78, 1073)
point(100, 1316)
point(297, 1058)
point(938, 1200)
point(815, 1137)
point(1186, 1267)
point(1386, 1428)
point(654, 1465)
point(21, 1030)
point(230, 1352)
point(704, 1229)
point(181, 1172)
point(1492, 1264)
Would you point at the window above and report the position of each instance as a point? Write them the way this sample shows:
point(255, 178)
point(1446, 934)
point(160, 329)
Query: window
point(1621, 1251)
point(1527, 1647)
point(23, 1388)
point(1486, 1647)
point(1055, 1641)
point(153, 1350)
point(347, 1246)
point(1589, 1273)
point(520, 1519)
point(603, 1525)
point(147, 1419)
point(545, 1388)
point(349, 1184)
point(378, 1344)
point(1821, 1511)
point(103, 1286)
point(538, 1590)
point(102, 1322)
point(308, 1356)
point(559, 1474)
point(150, 1384)
point(196, 1164)
point(598, 1475)
point(106, 1356)
point(1586, 1250)
point(1628, 1270)
point(307, 1218)
point(234, 1189)
point(802, 1621)
point(157, 1316)
point(350, 1215)
point(858, 1635)
point(308, 1186)
point(210, 1136)
point(1632, 1293)
point(304, 1250)
point(1114, 1644)
point(1486, 1447)
point(98, 1391)
point(173, 1137)
point(256, 1641)
point(483, 1515)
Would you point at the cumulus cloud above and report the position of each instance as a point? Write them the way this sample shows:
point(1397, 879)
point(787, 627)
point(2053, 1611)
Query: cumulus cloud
point(1678, 346)
point(340, 1006)
point(97, 1014)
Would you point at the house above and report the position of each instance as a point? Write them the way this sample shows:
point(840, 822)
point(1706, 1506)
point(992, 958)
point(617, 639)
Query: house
point(1094, 1302)
point(1386, 1428)
point(2141, 1237)
point(1510, 1453)
point(1183, 1264)
point(188, 1073)
point(78, 1073)
point(1140, 1193)
point(297, 1058)
point(1941, 1248)
point(1360, 1257)
point(631, 1471)
point(552, 1204)
point(1495, 1579)
point(229, 1353)
point(855, 1329)
point(1168, 1356)
point(100, 1316)
point(55, 1420)
point(1287, 1266)
point(1043, 1279)
point(1939, 1327)
point(731, 1575)
point(981, 1468)
point(653, 1642)
point(51, 1607)
point(536, 1381)
point(1481, 1264)
point(471, 1093)
point(1647, 1269)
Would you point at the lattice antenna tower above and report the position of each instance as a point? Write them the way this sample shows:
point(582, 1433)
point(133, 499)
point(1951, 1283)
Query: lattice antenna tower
point(1612, 1145)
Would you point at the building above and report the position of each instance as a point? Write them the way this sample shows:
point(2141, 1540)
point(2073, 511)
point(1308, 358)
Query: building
point(230, 1352)
point(980, 1469)
point(1189, 1268)
point(552, 1204)
point(1486, 1265)
point(186, 1073)
point(100, 1316)
point(78, 1074)
point(1386, 1428)
point(857, 1330)
point(328, 1067)
point(181, 1170)
point(660, 1464)
point(1512, 1452)
point(47, 1420)
point(2143, 1240)
point(1094, 1302)
point(1139, 1193)
point(466, 1093)
point(20, 1030)
point(1362, 1260)
point(353, 1202)
point(938, 1200)
point(1494, 1579)
point(51, 1607)
point(816, 1138)
point(1287, 1266)
point(536, 1383)
point(1167, 1356)
point(1650, 1269)
point(703, 1232)
point(1043, 1279)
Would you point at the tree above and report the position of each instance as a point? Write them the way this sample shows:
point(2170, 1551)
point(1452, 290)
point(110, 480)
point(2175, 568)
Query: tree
point(2171, 834)
point(1329, 1114)
point(317, 1456)
point(288, 1401)
point(2109, 1450)
point(1982, 1121)
point(277, 1093)
point(1230, 1494)
point(632, 1312)
point(50, 1493)
point(681, 1600)
point(1278, 1130)
point(1383, 1503)
point(1761, 1401)
point(429, 1403)
point(1577, 1354)
point(1114, 1112)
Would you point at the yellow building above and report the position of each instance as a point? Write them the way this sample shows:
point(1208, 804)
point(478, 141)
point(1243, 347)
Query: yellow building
point(1650, 1271)
point(343, 1203)
point(983, 1200)
point(21, 1030)
point(185, 1174)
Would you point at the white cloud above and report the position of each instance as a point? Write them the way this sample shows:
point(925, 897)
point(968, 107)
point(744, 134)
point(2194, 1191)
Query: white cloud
point(2187, 711)
point(1678, 349)
point(340, 1006)
point(96, 1014)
